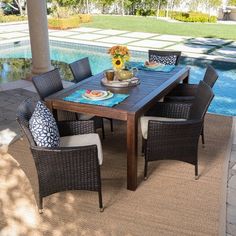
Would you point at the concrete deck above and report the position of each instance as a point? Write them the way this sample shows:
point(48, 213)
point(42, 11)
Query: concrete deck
point(207, 48)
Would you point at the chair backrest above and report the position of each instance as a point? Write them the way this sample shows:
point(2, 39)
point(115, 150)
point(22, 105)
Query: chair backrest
point(81, 69)
point(23, 115)
point(48, 83)
point(165, 57)
point(201, 102)
point(210, 76)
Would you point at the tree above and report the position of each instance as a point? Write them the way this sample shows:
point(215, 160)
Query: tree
point(104, 4)
point(211, 4)
point(232, 3)
point(18, 5)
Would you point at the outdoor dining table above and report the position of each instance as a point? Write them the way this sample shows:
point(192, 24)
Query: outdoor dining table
point(153, 86)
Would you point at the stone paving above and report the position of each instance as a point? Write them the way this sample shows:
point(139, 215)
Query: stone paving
point(207, 48)
point(214, 49)
point(231, 195)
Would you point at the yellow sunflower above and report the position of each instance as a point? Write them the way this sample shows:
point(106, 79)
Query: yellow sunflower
point(117, 63)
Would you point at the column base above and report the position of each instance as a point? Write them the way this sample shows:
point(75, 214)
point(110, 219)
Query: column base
point(37, 71)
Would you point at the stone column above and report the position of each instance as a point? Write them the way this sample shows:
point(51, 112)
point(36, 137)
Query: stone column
point(39, 40)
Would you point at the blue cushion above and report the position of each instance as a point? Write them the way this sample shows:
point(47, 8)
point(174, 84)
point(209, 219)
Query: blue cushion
point(44, 127)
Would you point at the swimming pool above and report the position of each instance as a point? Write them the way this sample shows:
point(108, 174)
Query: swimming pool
point(62, 53)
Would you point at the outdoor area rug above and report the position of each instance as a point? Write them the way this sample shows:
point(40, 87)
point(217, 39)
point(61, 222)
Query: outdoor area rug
point(169, 202)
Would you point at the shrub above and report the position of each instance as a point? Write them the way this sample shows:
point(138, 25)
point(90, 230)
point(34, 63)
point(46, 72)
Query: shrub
point(64, 23)
point(163, 13)
point(143, 12)
point(10, 18)
point(194, 17)
point(85, 18)
point(153, 12)
point(61, 12)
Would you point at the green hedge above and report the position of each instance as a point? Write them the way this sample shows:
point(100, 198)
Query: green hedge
point(181, 16)
point(142, 12)
point(195, 17)
point(85, 18)
point(64, 23)
point(153, 12)
point(10, 18)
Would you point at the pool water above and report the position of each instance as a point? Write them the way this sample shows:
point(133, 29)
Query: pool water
point(12, 68)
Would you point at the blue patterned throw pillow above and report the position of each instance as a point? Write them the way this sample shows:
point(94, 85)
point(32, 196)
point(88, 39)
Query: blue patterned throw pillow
point(43, 127)
point(166, 60)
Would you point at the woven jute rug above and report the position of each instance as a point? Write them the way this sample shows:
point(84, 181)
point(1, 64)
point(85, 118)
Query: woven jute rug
point(170, 202)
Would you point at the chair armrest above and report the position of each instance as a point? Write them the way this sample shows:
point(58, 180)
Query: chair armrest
point(170, 110)
point(173, 140)
point(67, 128)
point(66, 168)
point(184, 90)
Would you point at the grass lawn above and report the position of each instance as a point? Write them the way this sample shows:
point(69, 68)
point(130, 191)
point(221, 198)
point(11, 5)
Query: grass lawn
point(152, 25)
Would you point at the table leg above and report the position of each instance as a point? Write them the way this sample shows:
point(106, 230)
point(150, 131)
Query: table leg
point(186, 80)
point(54, 112)
point(132, 143)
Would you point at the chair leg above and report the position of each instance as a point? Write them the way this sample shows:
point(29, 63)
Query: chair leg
point(100, 200)
point(40, 205)
point(111, 123)
point(145, 170)
point(103, 130)
point(196, 172)
point(143, 146)
point(203, 138)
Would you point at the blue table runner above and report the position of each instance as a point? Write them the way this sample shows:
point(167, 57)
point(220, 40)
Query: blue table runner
point(110, 102)
point(141, 66)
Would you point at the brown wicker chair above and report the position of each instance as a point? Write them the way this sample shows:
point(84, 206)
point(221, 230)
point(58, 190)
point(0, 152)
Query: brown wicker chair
point(81, 70)
point(162, 57)
point(166, 137)
point(49, 83)
point(187, 92)
point(63, 168)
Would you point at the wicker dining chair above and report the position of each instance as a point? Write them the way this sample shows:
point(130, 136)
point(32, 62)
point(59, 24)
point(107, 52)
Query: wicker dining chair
point(164, 57)
point(81, 70)
point(187, 92)
point(49, 83)
point(172, 130)
point(67, 167)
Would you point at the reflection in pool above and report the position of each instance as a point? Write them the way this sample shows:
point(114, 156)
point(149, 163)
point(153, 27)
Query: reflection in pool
point(15, 64)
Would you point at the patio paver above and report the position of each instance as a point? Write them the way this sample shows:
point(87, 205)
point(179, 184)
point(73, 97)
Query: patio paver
point(111, 32)
point(139, 35)
point(87, 36)
point(116, 40)
point(151, 43)
point(233, 44)
point(62, 33)
point(84, 29)
point(12, 35)
point(174, 38)
point(209, 41)
point(193, 48)
point(226, 51)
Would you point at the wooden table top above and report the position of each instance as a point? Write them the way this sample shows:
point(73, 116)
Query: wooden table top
point(153, 86)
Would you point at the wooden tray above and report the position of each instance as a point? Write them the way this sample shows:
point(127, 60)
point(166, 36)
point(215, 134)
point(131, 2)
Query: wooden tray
point(121, 84)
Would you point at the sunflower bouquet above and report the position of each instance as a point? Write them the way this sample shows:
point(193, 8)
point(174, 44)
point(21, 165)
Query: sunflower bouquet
point(120, 54)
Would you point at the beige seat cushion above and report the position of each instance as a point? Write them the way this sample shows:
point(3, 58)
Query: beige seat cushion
point(144, 122)
point(85, 116)
point(83, 140)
